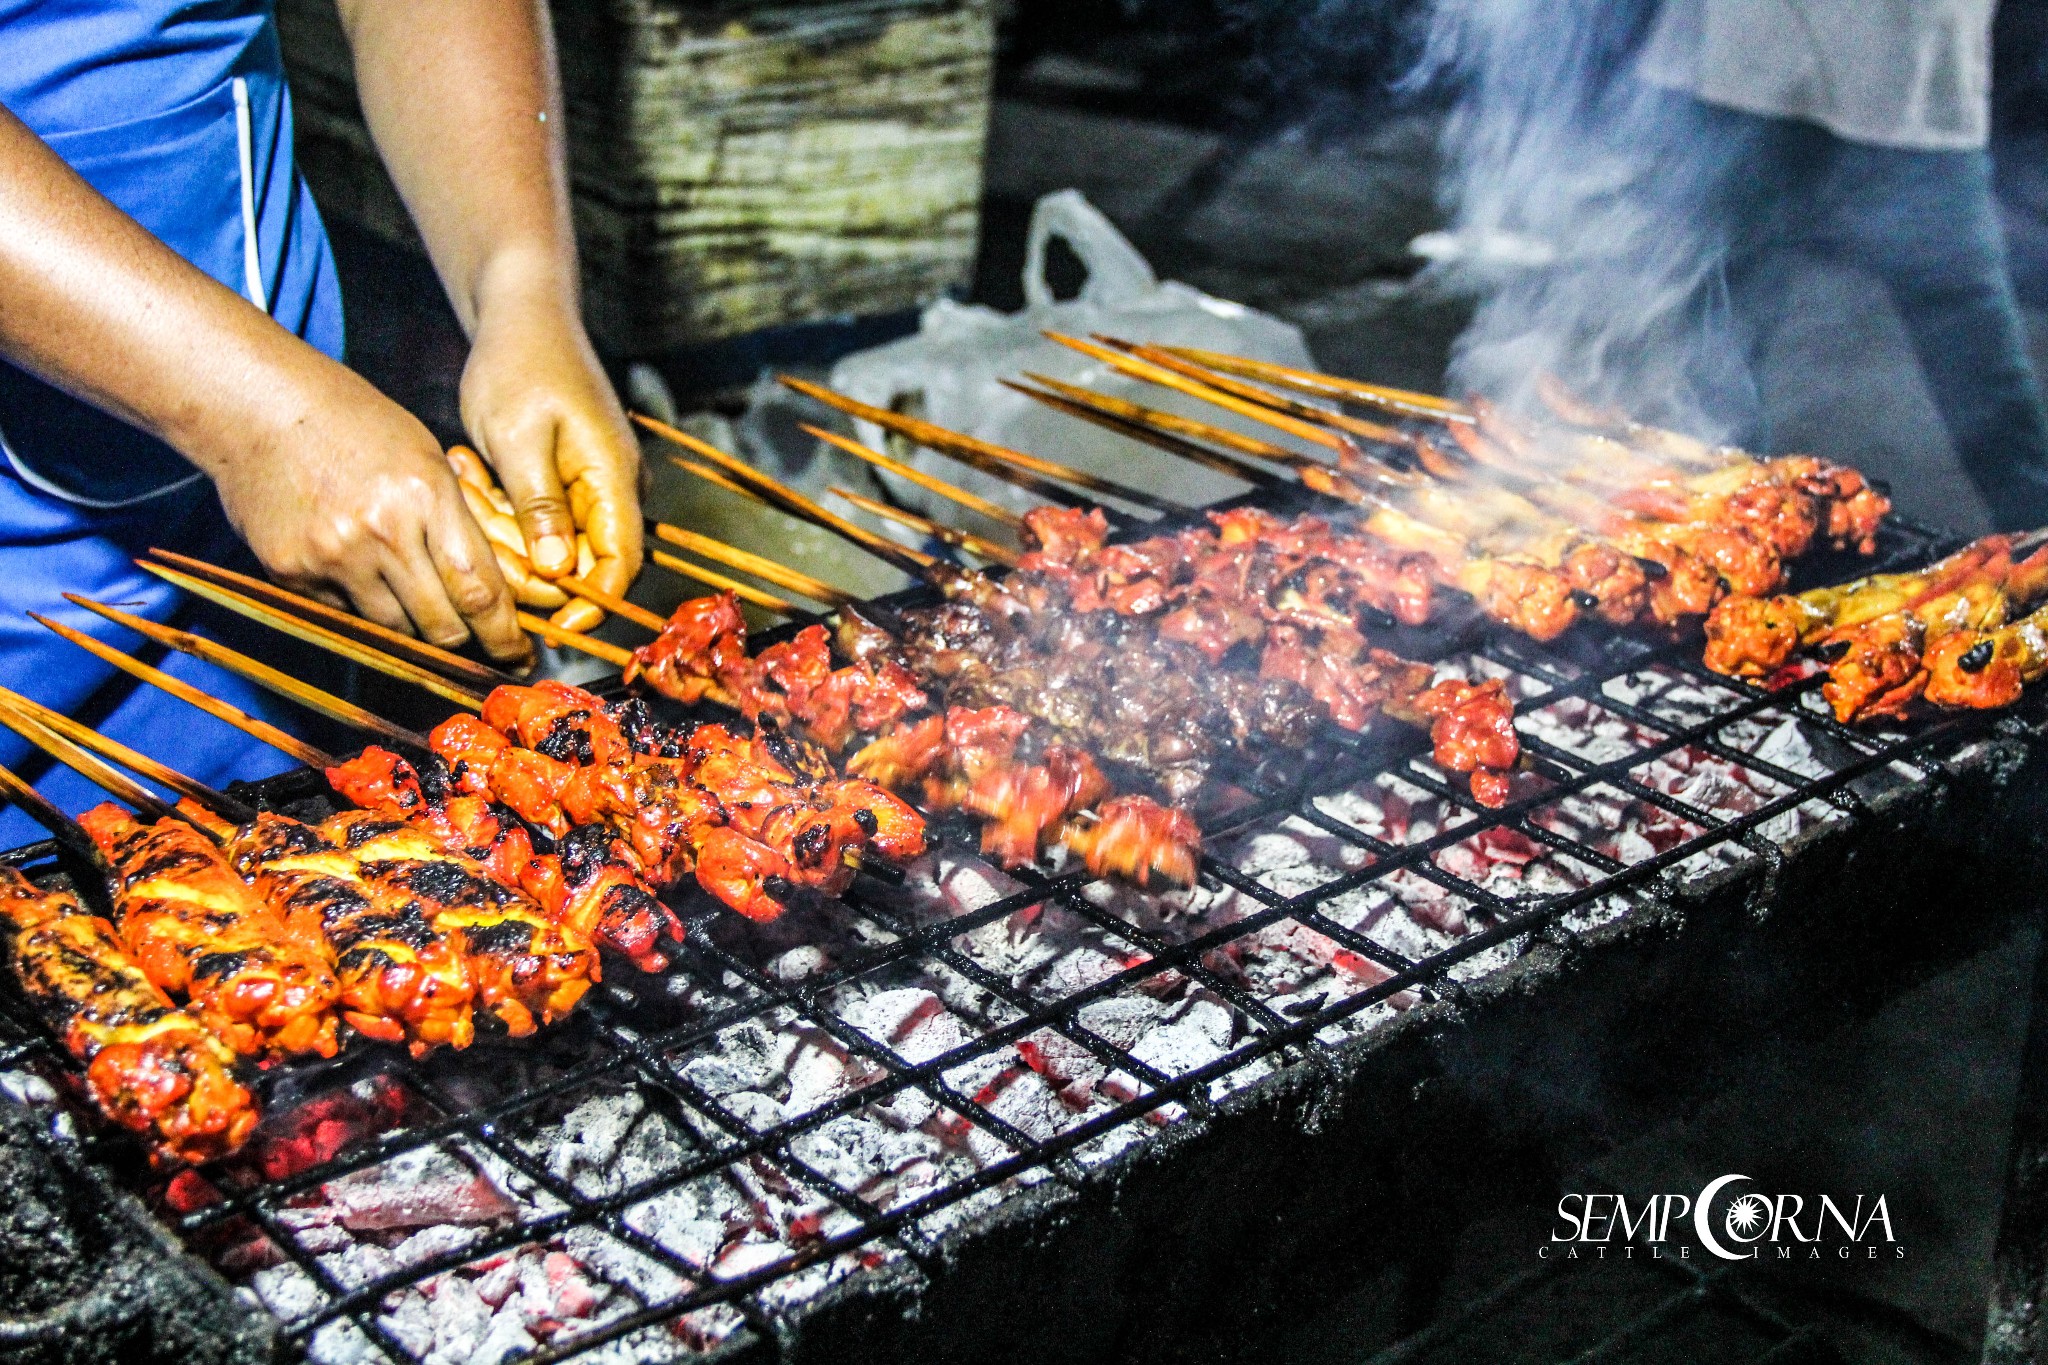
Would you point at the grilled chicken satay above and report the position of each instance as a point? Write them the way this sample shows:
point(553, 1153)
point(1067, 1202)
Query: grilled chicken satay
point(1021, 800)
point(262, 982)
point(591, 883)
point(1987, 669)
point(403, 980)
point(1626, 566)
point(149, 1066)
point(751, 836)
point(1752, 636)
point(1308, 637)
point(527, 969)
point(768, 787)
point(1789, 499)
point(1878, 667)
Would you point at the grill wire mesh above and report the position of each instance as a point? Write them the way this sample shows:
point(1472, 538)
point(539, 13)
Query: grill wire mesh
point(1388, 882)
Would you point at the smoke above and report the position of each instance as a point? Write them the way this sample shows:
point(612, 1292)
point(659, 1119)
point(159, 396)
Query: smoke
point(1585, 213)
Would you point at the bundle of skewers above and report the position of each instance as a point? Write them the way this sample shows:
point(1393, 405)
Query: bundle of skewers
point(1969, 632)
point(473, 884)
point(1540, 521)
point(1077, 696)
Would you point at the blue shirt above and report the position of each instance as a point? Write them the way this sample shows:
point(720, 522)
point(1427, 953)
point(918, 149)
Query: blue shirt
point(176, 111)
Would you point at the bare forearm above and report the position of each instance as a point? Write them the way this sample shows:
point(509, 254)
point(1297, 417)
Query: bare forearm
point(336, 488)
point(92, 302)
point(462, 100)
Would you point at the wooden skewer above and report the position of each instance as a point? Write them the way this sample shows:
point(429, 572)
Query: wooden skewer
point(746, 561)
point(575, 639)
point(746, 592)
point(65, 830)
point(779, 494)
point(994, 511)
point(116, 784)
point(219, 802)
point(713, 476)
point(263, 675)
point(1028, 472)
point(249, 725)
point(1153, 427)
point(912, 562)
point(1402, 402)
point(618, 606)
point(1170, 440)
point(945, 535)
point(1293, 407)
point(332, 641)
point(346, 623)
point(1158, 374)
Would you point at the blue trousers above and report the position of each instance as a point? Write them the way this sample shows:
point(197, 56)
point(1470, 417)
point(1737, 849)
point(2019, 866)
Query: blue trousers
point(1925, 224)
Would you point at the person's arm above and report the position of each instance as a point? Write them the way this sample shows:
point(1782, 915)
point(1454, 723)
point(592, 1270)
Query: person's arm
point(336, 488)
point(462, 100)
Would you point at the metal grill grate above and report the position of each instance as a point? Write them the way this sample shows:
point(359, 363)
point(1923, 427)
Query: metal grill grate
point(1650, 771)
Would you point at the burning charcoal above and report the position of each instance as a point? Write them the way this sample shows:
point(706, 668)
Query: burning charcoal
point(744, 1258)
point(820, 1072)
point(1072, 1070)
point(431, 1242)
point(505, 1339)
point(1023, 1099)
point(745, 1057)
point(860, 1154)
point(287, 1291)
point(1788, 746)
point(684, 1221)
point(460, 1320)
point(609, 1142)
point(589, 1252)
point(799, 963)
point(498, 1283)
point(343, 1343)
point(1192, 1035)
point(415, 1189)
point(409, 1316)
point(358, 1263)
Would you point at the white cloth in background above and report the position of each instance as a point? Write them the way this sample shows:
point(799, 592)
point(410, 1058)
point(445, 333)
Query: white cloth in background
point(1894, 73)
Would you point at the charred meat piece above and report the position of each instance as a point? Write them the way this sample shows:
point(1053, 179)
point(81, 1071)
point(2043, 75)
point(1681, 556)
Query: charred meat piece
point(597, 892)
point(403, 979)
point(1139, 840)
point(263, 982)
point(528, 969)
point(150, 1067)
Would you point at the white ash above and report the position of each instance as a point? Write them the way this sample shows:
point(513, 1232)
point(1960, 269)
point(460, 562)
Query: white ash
point(753, 1214)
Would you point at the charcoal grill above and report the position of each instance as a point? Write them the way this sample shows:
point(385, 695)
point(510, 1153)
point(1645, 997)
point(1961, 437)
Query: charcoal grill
point(1045, 1113)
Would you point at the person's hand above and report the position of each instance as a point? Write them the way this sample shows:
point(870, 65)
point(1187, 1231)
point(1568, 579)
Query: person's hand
point(348, 498)
point(538, 405)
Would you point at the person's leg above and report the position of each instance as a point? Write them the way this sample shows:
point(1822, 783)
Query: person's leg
point(1927, 224)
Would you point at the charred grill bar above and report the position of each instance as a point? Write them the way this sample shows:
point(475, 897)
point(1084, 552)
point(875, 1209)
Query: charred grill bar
point(982, 1089)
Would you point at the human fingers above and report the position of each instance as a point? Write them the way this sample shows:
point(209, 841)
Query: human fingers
point(466, 572)
point(524, 458)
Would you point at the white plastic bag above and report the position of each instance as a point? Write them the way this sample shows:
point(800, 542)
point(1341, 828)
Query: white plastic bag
point(948, 373)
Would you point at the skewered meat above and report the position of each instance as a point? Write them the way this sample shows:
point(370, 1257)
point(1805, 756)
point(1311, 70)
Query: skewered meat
point(527, 969)
point(149, 1067)
point(676, 799)
point(1138, 839)
point(1752, 637)
point(1988, 669)
point(403, 979)
point(263, 983)
point(1473, 731)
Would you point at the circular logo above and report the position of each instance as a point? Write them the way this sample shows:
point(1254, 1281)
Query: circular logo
point(1746, 1217)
